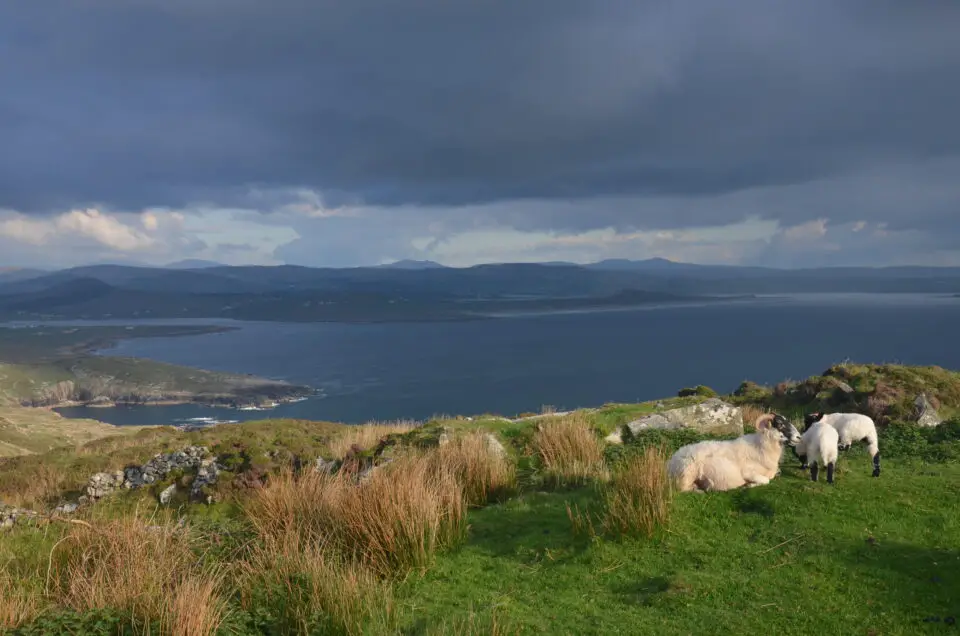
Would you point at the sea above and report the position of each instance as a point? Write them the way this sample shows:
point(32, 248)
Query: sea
point(516, 364)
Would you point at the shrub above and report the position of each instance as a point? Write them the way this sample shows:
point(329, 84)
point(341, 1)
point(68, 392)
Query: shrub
point(485, 471)
point(907, 440)
point(637, 500)
point(569, 451)
point(752, 392)
point(699, 390)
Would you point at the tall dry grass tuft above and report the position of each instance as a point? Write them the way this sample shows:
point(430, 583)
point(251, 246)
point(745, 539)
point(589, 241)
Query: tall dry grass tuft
point(317, 592)
point(481, 466)
point(195, 607)
point(18, 605)
point(750, 412)
point(638, 498)
point(395, 520)
point(570, 451)
point(42, 484)
point(148, 571)
point(366, 436)
point(475, 624)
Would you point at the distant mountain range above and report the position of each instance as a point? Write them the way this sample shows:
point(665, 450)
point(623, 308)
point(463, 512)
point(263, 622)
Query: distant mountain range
point(412, 290)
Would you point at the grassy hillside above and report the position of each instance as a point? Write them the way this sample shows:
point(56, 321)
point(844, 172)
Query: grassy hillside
point(29, 431)
point(558, 533)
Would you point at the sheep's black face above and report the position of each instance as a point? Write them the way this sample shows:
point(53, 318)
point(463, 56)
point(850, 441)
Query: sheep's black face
point(788, 432)
point(810, 419)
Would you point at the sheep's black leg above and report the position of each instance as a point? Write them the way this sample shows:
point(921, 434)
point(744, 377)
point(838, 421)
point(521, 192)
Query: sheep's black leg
point(830, 473)
point(876, 465)
point(814, 471)
point(802, 458)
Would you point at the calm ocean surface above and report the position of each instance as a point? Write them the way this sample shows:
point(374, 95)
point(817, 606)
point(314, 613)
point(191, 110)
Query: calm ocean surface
point(517, 364)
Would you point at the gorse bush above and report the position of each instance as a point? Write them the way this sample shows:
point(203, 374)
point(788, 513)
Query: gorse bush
point(637, 499)
point(569, 451)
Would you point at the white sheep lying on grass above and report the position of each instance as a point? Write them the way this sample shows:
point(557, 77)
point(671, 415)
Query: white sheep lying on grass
point(851, 427)
point(820, 443)
point(750, 460)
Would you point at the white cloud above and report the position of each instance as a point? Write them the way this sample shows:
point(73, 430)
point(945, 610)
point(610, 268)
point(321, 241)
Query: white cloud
point(90, 224)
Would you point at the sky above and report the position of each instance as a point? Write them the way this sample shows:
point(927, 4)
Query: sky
point(760, 132)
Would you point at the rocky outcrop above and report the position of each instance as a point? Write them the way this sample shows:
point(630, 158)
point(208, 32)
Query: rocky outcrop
point(927, 414)
point(710, 416)
point(189, 459)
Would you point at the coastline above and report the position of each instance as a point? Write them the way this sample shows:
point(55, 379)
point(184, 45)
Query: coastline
point(63, 366)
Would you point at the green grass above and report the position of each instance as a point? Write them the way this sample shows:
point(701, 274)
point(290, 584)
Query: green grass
point(863, 556)
point(791, 558)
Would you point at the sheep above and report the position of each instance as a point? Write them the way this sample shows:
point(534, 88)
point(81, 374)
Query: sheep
point(852, 427)
point(820, 441)
point(750, 460)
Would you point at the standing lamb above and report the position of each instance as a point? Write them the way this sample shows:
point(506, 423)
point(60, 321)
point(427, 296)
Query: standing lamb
point(852, 427)
point(820, 441)
point(750, 460)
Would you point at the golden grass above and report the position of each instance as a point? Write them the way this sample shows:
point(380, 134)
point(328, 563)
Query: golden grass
point(394, 521)
point(366, 436)
point(150, 572)
point(18, 605)
point(750, 413)
point(318, 592)
point(474, 624)
point(638, 498)
point(195, 607)
point(42, 484)
point(570, 451)
point(485, 471)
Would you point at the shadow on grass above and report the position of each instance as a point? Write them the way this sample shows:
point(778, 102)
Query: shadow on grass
point(752, 502)
point(534, 524)
point(920, 585)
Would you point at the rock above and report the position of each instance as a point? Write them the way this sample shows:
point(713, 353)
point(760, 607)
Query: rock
point(66, 508)
point(190, 458)
point(168, 494)
point(710, 415)
point(324, 465)
point(927, 415)
point(843, 387)
point(495, 446)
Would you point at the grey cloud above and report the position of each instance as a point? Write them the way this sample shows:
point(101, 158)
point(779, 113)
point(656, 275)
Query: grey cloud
point(428, 103)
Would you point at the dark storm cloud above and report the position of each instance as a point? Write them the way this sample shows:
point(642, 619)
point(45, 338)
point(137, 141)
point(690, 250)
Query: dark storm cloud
point(140, 103)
